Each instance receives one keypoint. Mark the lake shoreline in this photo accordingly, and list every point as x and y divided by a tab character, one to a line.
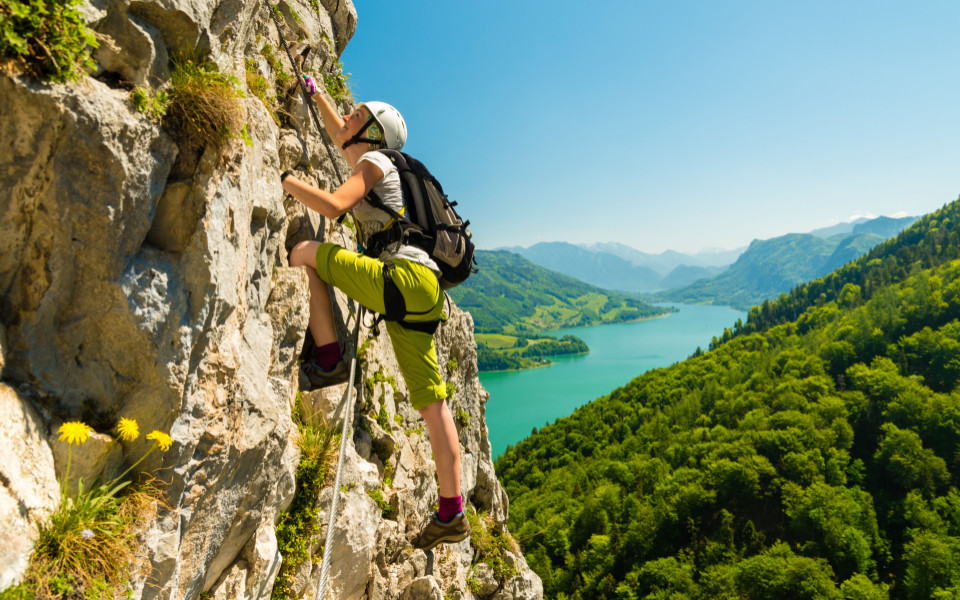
527	398
550	363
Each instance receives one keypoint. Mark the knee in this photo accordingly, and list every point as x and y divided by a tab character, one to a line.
304	254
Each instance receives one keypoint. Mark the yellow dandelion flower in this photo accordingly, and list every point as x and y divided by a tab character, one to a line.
163	440
128	430
74	432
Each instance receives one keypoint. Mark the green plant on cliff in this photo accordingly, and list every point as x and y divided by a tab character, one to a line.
335	80
205	108
298	527
149	102
86	546
491	543
46	38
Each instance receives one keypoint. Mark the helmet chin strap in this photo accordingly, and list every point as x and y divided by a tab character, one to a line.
356	139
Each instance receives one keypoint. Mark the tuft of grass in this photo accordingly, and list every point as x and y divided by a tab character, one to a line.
298	526
451	390
383	419
491	543
152	104
463	417
260	88
204	108
47	39
386	511
452	365
335	80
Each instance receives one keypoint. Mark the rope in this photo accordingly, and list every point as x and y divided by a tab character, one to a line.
303	88
348	412
351	388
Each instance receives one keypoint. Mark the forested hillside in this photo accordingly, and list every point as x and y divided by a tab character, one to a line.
509	294
815	454
932	241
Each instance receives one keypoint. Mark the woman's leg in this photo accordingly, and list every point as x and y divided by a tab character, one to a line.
322	327
446	447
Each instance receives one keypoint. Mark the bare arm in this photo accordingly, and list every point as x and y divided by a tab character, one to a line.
332	121
345	197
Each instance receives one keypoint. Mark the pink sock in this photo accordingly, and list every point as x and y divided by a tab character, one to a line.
449	507
328	355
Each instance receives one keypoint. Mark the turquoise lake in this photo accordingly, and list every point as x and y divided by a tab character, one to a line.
522	400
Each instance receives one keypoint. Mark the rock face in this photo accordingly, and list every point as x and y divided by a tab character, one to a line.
148	281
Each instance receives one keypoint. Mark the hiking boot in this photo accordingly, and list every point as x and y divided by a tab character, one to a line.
319	378
435	532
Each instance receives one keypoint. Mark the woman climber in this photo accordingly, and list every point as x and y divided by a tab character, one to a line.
371	126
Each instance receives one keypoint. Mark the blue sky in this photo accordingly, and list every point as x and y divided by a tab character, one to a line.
670	124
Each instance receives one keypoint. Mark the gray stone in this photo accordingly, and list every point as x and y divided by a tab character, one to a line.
352	552
233	584
485	579
526	585
423	588
344	21
130	47
29	490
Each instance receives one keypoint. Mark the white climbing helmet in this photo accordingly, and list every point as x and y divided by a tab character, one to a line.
391	123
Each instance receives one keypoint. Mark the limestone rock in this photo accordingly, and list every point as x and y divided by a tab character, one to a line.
422	588
129	46
29	490
344	20
525	585
486	581
352	551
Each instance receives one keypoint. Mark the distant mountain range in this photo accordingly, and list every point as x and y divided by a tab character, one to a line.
618	267
771	267
738	277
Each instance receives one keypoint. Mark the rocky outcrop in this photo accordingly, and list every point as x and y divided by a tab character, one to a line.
144	280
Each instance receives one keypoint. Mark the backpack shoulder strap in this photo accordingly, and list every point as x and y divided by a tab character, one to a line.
374	199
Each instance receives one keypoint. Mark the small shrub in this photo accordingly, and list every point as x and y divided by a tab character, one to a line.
383	419
491	543
46	38
150	103
282	79
463	417
260	88
256	83
451	390
452	365
204	108
386	511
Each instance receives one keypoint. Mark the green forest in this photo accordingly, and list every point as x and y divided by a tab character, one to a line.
525	355
812	452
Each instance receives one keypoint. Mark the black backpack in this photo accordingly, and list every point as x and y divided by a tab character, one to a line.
430	222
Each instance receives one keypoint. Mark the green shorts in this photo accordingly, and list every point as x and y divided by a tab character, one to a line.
361	278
